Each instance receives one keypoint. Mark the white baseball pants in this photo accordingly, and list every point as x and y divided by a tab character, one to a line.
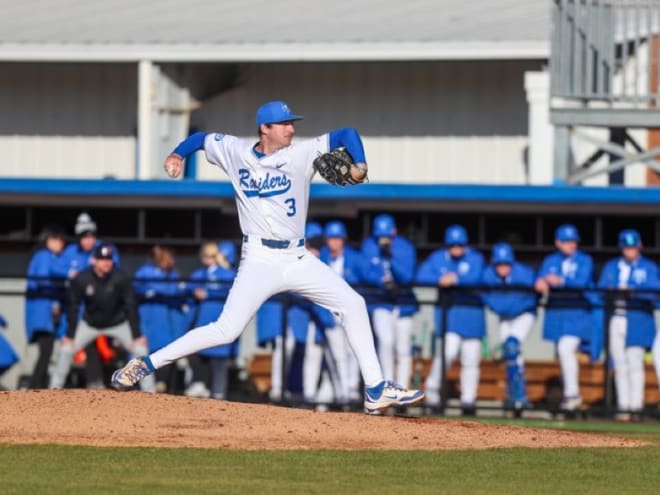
518	327
394	344
470	350
567	348
628	367
264	272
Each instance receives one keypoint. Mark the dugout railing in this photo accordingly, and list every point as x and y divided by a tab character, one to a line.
601	302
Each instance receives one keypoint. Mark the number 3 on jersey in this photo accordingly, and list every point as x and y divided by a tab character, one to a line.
292	207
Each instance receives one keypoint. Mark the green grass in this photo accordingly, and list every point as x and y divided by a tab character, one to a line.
86	470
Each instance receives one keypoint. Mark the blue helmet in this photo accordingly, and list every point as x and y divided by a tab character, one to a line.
228	250
629	238
503	254
567	232
384	226
335	229
313	229
456	235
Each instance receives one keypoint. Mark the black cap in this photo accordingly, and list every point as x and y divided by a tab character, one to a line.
103	252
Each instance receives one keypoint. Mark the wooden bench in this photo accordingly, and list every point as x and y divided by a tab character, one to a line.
543	379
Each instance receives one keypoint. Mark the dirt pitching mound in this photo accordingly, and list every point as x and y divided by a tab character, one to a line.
108	418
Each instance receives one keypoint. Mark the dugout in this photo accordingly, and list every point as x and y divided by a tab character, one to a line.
138	214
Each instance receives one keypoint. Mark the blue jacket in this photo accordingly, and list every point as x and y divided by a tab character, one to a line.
401	266
8	356
161	309
466	315
638	308
510	304
566	314
353	264
216	281
42	294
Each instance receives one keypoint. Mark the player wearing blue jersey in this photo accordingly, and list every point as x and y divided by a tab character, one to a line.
349	264
516	311
390	264
568	319
271	180
631	326
457	265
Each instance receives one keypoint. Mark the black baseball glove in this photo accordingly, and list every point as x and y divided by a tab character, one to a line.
335	167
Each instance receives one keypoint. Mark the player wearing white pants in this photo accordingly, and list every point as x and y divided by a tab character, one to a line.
632	325
391	262
517	313
457	265
567	318
271	180
347	263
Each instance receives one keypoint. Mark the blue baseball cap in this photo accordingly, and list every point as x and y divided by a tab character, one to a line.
313	229
567	232
335	229
384	226
503	254
456	235
629	238
228	250
274	112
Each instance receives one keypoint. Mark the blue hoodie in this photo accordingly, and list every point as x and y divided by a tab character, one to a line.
401	266
637	307
466	316
510	304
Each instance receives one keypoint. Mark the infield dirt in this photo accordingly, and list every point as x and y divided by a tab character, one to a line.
136	419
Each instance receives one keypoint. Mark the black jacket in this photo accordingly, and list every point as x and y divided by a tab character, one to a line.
108	301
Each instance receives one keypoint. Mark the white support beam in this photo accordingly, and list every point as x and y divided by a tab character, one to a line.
144	110
537	87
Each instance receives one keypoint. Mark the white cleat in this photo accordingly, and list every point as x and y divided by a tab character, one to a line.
125	378
387	394
571	404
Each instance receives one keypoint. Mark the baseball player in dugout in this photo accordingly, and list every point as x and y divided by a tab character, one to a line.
567	317
110	309
631	324
271	180
516	312
390	265
462	266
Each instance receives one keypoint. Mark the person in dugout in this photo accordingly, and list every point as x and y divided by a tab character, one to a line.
44	301
76	257
516	311
456	265
8	356
568	321
109	309
162	300
390	263
347	263
631	323
208	288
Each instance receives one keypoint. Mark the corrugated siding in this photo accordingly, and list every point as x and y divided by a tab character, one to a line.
68	120
421	122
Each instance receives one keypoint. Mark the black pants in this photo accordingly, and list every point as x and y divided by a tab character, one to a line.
44	341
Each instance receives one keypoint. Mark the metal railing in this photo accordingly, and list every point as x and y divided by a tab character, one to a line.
606	300
606	50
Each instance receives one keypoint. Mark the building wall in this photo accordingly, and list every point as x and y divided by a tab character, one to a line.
68	120
421	121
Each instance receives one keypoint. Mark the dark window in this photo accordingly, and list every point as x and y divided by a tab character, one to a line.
216	225
169	224
13	223
514	229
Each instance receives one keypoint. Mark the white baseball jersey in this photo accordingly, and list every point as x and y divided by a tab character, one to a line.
272	192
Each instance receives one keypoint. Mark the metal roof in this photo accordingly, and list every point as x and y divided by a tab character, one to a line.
259	30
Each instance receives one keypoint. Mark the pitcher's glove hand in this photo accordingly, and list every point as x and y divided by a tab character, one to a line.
338	168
